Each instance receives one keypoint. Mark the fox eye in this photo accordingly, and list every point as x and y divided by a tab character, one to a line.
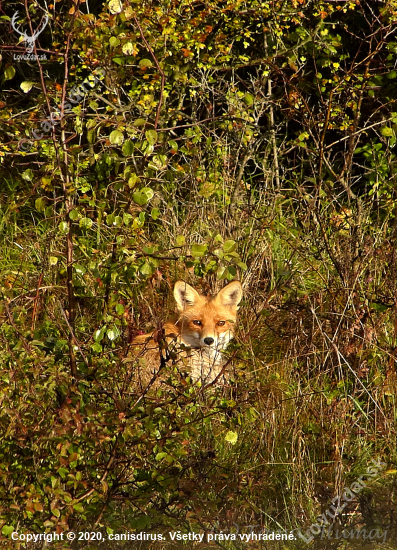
221	323
197	323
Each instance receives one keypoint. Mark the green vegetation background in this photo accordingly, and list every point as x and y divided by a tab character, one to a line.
222	139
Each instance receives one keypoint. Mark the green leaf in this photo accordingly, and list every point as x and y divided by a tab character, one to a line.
198	250
113	333
180	240
174	146
53	260
114	41
231	272
79	269
127	218
119	309
26	86
142	196
151	136
116	137
386	131
145	63
160	456
78	507
128	48
7	530
63	472
63	227
99	334
229	246
40	204
96	347
128	148
91	136
378	307
147	269
211	266
27	175
133	181
74	215
249	99
46	181
155	213
85	223
231	437
115	6
139	122
110	219
139	198
158	162
9	73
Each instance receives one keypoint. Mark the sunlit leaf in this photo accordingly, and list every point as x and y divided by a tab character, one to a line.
85	223
9	73
128	148
198	250
26	86
145	63
231	437
128	48
113	41
151	136
115	6
116	137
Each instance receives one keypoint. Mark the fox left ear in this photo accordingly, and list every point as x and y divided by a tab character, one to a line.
231	295
185	296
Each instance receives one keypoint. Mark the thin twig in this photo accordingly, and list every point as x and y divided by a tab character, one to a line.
72	334
158	68
36	300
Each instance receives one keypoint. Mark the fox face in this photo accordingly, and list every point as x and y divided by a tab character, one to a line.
207	322
204	325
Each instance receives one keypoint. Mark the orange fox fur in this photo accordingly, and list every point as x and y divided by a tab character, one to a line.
202	330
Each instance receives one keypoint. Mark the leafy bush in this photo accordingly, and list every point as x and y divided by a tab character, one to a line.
205	142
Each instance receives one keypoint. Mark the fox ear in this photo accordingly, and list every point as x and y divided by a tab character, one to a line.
185	295
231	295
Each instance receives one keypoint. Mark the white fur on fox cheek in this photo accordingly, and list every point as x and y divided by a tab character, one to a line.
225	337
192	339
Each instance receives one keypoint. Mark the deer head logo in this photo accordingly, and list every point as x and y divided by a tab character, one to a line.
30	40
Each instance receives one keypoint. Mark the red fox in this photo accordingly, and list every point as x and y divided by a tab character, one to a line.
202	330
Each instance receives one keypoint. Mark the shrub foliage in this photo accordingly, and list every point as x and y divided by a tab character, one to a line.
204	141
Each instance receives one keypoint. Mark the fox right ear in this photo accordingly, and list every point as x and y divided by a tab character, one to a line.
230	295
185	295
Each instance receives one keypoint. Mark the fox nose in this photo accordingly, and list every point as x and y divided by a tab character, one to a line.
208	341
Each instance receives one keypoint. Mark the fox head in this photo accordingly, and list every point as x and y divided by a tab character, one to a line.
207	322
